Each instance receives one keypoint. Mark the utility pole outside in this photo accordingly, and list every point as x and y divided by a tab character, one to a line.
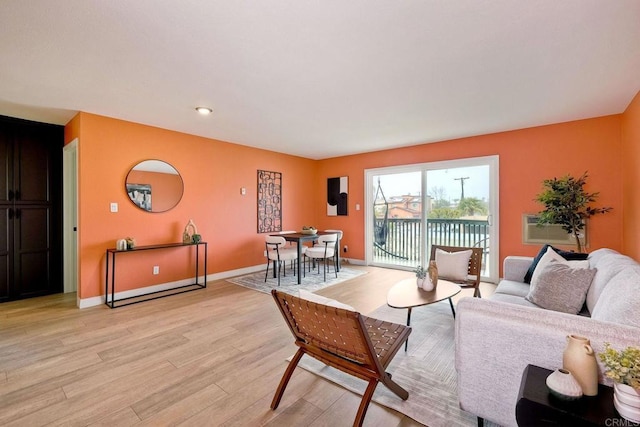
461	179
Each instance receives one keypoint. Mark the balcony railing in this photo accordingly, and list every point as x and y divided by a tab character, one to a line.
402	243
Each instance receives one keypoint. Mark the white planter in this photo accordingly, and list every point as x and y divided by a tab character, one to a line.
626	399
419	282
427	285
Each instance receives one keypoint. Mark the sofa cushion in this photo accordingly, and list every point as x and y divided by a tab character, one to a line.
619	301
561	288
453	265
511	287
552	255
512	299
567	255
608	264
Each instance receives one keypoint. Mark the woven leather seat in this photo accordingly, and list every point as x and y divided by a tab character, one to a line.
346	340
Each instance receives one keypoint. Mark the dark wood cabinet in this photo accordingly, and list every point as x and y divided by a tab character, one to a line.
30	208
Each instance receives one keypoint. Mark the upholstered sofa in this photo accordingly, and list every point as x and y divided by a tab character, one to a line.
497	337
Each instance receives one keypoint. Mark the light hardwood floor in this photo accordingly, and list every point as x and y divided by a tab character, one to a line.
205	358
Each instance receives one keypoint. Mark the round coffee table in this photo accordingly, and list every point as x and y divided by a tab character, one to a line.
406	294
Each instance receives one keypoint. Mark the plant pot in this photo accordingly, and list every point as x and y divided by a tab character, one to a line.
626	399
428	285
419	282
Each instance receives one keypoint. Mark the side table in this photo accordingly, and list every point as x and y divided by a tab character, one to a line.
538	407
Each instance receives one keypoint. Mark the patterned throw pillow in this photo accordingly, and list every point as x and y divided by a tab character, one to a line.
453	265
561	288
569	256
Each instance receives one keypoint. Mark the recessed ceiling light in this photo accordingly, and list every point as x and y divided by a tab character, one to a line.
204	110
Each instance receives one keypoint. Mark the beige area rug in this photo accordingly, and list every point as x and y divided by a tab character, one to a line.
426	370
289	284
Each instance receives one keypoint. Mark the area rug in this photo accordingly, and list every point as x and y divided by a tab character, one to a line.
426	370
289	284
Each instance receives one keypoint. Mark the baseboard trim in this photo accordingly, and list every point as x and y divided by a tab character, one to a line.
95	301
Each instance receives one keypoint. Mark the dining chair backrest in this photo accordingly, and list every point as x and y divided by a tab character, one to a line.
327	239
274	241
338	232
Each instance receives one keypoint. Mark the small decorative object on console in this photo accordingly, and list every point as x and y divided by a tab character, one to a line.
579	359
121	244
131	242
563	385
196	238
189	230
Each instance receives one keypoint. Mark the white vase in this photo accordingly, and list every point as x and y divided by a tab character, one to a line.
419	282
626	399
563	385
580	359
427	284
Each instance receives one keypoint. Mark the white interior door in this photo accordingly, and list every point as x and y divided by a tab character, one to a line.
70	220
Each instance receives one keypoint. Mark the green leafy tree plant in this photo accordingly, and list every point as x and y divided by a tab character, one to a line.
567	204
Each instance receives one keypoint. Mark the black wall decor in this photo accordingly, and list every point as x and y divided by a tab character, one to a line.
269	201
337	195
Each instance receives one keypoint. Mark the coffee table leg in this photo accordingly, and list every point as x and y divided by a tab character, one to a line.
406	343
452	310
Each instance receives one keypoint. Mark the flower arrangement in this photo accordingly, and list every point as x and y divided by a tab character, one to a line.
421	273
622	366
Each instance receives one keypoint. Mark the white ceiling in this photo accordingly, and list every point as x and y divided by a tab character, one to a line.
320	79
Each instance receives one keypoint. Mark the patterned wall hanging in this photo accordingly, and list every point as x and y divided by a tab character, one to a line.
337	195
269	201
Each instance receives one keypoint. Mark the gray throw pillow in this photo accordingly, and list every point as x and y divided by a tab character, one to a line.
561	288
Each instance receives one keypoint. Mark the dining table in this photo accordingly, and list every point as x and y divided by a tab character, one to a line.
300	238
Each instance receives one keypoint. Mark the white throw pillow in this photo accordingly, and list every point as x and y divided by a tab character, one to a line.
310	296
453	265
551	256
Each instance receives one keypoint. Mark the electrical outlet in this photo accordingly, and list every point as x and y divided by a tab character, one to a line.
345	249
113	207
156	269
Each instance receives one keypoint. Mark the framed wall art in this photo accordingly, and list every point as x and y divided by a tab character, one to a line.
337	196
269	201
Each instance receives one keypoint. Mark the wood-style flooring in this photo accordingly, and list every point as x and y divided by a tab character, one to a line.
205	358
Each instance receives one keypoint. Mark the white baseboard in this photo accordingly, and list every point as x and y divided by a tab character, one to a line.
94	301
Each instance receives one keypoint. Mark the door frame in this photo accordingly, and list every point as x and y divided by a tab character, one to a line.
494	209
70	215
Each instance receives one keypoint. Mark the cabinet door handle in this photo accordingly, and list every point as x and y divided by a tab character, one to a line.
10	213
10	195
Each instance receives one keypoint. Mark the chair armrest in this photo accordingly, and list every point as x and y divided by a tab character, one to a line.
495	341
515	267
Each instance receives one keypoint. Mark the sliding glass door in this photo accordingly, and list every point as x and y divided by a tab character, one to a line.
412	207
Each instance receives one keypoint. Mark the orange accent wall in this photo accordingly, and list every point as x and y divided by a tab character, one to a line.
631	177
214	171
527	157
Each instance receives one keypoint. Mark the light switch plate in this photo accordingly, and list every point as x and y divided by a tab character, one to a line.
114	207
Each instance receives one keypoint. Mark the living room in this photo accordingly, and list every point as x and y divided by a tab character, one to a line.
215	169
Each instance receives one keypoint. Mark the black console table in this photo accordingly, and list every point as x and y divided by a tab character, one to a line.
538	407
110	280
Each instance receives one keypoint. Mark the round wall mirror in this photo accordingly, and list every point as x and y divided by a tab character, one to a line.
154	186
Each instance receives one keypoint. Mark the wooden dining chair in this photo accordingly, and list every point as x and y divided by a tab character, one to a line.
346	340
475	266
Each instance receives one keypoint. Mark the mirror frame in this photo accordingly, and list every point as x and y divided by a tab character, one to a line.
146	188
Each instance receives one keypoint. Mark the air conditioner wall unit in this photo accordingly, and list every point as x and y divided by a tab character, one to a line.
533	234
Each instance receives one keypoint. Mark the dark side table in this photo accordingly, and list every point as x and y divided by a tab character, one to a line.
538	407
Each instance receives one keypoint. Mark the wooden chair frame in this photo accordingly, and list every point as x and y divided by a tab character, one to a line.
475	266
346	340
